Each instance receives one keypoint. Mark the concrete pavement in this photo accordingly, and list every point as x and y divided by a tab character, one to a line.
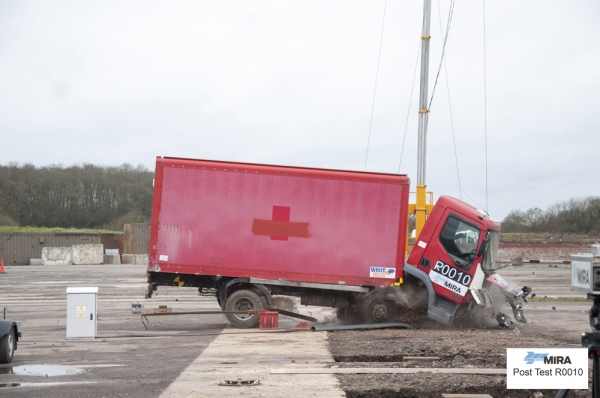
249	355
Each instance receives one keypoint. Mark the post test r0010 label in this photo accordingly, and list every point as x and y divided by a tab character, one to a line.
547	368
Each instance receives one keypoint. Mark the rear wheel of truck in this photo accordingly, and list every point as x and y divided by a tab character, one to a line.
243	300
7	347
375	309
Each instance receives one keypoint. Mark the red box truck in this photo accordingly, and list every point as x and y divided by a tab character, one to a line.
245	232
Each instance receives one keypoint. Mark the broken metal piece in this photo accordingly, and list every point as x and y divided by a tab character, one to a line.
518	313
239	383
482	297
504	321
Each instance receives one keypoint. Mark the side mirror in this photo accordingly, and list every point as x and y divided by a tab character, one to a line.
483	246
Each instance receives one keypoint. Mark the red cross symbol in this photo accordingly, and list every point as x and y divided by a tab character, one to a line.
279	226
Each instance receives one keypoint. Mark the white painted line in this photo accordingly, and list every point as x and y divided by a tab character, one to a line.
389	370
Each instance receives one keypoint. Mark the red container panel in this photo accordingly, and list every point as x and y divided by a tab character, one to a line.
297	224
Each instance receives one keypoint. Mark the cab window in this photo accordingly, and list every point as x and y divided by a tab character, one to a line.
460	241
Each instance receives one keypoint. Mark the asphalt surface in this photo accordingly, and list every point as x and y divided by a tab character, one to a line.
124	359
127	360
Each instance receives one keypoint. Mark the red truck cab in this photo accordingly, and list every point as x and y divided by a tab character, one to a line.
455	248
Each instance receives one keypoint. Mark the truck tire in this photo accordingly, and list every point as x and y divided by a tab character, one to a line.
375	309
7	347
243	300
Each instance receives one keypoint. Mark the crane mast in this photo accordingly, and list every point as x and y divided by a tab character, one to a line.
422	209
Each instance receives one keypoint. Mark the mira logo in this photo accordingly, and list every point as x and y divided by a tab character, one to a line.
583	276
557	360
532	357
451	286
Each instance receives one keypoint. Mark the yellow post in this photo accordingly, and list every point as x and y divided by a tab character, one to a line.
421	208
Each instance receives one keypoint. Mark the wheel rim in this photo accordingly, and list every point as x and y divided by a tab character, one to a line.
379	312
243	304
10	345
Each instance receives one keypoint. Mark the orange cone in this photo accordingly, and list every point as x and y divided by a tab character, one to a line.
2	266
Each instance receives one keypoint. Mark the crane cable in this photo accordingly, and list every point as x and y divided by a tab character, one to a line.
450	108
412	88
375	90
450	13
485	111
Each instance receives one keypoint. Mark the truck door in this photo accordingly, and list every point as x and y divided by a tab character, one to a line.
450	255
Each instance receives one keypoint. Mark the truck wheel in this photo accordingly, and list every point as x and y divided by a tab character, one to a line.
374	309
7	347
243	300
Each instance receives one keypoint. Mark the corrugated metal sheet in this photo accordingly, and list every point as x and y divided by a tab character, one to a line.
141	238
112	242
18	248
136	238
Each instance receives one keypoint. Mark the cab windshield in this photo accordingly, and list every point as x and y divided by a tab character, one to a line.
460	241
491	253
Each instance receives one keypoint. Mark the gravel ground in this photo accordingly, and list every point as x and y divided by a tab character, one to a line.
476	343
455	348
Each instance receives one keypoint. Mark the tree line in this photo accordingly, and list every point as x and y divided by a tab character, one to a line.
580	215
82	196
89	196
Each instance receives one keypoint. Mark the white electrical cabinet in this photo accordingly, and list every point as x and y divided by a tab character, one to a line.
82	314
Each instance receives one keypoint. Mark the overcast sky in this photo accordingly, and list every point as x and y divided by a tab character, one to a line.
292	82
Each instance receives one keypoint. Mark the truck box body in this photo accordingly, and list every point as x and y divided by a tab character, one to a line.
273	222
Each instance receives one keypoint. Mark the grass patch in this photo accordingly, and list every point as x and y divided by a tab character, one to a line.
557	299
9	229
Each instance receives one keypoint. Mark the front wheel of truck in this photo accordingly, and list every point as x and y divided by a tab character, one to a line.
376	309
243	300
7	347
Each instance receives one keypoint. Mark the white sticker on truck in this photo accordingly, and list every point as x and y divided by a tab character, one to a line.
162	257
382	272
448	283
451	278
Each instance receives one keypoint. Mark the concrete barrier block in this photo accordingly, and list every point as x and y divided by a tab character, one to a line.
56	256
88	254
128	259
141	259
36	261
112	259
516	261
